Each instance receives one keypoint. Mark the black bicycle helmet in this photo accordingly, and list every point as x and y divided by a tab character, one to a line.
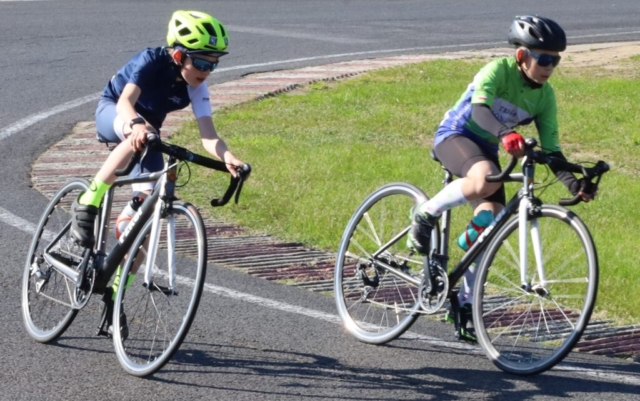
535	32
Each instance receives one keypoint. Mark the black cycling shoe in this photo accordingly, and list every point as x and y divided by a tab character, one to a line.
83	218
106	320
462	319
420	232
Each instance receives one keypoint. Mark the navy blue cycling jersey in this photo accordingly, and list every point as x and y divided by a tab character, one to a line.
154	72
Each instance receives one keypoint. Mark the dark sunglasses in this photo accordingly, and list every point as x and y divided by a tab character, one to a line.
545	60
203	64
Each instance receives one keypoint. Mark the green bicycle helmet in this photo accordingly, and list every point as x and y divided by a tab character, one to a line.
198	32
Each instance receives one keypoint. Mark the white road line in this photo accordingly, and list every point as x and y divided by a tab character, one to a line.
33	119
27	227
27	122
17	222
298	35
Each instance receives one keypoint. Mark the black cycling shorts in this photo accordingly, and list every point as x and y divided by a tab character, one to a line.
458	154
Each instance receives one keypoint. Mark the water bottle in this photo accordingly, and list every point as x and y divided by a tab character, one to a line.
127	214
474	228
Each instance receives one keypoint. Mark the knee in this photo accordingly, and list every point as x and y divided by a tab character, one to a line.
486	189
483	189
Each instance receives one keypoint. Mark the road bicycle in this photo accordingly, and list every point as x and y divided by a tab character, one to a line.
535	286
165	244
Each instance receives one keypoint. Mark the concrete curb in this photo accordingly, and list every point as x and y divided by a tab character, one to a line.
265	256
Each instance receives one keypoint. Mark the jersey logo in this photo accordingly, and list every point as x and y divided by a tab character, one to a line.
175	99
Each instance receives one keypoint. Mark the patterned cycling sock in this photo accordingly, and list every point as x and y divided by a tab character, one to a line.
93	196
448	198
116	282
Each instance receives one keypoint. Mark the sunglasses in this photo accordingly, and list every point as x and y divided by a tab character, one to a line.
203	64
545	60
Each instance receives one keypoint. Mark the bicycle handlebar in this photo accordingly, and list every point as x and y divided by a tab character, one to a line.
180	153
540	157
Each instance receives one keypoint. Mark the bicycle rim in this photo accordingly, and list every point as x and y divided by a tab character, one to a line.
528	332
46	293
376	304
151	323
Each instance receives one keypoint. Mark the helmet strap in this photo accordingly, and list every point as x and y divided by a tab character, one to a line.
520	55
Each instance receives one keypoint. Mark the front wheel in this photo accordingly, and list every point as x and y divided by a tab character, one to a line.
377	277
47	295
151	319
527	329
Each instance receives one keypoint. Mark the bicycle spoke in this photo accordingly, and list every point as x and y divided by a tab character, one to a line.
526	331
377	297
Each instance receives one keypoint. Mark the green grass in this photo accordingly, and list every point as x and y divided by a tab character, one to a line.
317	152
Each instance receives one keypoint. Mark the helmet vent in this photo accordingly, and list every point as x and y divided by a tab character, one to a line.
535	34
210	30
184	31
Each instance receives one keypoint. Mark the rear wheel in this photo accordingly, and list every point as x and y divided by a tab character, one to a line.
529	330
151	321
47	295
377	277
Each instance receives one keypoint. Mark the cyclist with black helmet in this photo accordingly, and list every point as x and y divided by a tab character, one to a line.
506	93
138	98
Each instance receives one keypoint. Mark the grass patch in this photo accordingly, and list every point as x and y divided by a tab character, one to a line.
319	151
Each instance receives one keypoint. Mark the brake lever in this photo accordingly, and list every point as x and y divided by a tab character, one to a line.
598	171
243	174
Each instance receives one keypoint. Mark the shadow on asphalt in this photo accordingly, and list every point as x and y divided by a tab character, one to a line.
312	375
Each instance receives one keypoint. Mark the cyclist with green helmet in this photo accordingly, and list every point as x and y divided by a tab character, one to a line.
138	98
506	93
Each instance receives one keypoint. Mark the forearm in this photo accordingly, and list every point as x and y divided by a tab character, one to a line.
568	179
485	119
126	110
126	105
216	147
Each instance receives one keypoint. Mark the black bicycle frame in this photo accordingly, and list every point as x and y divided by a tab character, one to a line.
487	235
108	266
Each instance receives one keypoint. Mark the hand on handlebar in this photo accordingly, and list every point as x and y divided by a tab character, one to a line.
138	136
514	144
587	190
233	164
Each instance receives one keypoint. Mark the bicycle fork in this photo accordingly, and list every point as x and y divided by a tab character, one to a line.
524	213
152	253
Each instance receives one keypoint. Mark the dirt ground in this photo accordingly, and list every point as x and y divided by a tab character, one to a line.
606	55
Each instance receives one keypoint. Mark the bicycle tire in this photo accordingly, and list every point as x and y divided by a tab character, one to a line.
528	332
166	324
44	289
378	314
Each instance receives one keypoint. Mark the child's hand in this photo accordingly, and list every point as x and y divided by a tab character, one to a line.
514	144
138	136
232	163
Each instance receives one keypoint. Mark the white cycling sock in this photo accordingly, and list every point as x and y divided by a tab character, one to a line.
465	296
448	198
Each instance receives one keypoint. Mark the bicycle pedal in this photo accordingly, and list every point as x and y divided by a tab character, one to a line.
463	335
